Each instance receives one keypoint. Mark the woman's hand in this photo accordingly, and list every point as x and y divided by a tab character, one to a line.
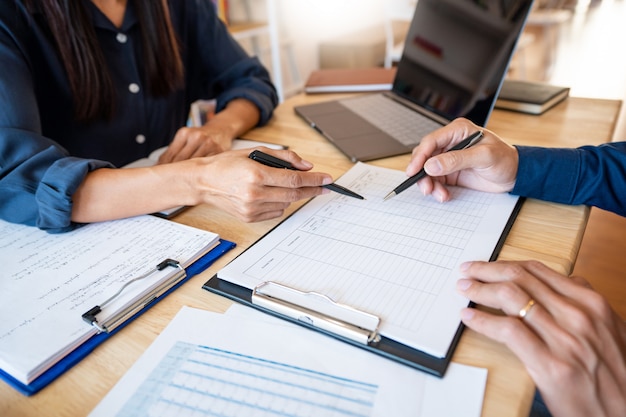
252	191
195	142
570	340
215	136
230	181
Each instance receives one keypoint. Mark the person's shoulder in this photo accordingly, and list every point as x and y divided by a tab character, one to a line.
193	7
186	13
16	18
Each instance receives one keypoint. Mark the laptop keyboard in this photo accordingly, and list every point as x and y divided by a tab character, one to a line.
405	125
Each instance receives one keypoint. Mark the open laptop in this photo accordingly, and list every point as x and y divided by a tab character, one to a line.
455	58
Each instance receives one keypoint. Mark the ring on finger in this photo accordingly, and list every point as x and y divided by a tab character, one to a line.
526	309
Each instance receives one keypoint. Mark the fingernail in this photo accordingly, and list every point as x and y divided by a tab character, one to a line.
307	164
327	180
467	314
439	196
464	266
433	167
463	284
422	187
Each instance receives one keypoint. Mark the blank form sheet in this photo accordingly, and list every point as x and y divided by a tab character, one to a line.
397	259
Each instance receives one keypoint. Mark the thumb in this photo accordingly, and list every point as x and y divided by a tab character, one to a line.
445	163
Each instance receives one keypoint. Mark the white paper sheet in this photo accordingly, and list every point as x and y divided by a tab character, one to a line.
397	259
50	280
246	363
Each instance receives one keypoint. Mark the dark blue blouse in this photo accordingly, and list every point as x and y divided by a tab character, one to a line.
45	154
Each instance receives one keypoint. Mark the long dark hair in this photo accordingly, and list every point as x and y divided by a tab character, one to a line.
90	81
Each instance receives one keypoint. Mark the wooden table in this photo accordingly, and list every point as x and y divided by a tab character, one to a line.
549	232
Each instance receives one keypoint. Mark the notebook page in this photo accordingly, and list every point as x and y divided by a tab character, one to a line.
50	280
398	259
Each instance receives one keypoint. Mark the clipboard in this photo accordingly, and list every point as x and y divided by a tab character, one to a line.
280	299
88	346
324	322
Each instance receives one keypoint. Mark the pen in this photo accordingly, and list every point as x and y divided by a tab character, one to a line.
464	144
274	162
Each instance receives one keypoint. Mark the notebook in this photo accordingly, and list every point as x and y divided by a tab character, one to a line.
454	61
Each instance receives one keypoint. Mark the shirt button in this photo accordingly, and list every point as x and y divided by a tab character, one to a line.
133	88
121	38
140	139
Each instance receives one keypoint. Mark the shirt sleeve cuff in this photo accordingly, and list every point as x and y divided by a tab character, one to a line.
54	194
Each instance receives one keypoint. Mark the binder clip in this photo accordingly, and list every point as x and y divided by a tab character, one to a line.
116	319
318	310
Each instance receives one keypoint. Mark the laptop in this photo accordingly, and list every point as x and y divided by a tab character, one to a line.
455	58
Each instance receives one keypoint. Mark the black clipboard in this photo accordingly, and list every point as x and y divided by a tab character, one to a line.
375	343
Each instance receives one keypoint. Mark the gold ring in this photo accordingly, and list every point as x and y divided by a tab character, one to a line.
524	311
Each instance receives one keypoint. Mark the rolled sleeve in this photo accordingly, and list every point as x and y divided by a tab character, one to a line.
37	183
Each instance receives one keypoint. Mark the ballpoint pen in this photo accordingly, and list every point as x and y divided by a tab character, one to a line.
464	144
274	162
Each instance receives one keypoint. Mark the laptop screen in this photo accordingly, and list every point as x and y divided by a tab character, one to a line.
456	55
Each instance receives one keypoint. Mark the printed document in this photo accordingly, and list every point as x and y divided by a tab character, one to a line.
396	259
238	364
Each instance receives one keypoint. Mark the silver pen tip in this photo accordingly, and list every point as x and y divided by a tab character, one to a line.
388	196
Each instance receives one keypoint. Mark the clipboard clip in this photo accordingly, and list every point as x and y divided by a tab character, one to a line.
318	310
117	319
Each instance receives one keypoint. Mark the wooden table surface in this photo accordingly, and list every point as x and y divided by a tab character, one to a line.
548	232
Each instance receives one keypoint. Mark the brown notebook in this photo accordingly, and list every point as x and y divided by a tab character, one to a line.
343	80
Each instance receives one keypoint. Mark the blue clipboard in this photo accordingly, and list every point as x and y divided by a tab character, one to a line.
83	350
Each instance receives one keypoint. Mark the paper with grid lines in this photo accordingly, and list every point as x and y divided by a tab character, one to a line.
238	364
398	259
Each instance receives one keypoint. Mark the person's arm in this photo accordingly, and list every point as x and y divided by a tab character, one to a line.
590	175
221	69
230	181
37	176
570	340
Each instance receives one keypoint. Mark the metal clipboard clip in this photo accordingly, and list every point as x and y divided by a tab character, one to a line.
110	323
319	311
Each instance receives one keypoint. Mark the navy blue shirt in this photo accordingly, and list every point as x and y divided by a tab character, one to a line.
590	175
45	153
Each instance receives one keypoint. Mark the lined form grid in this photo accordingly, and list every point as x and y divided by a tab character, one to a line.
194	380
402	250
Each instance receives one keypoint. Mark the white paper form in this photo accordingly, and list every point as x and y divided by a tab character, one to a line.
49	280
238	364
397	259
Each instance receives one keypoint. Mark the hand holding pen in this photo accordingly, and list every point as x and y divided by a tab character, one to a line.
465	143
275	162
489	166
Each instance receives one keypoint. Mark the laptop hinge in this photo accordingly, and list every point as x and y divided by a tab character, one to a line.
431	115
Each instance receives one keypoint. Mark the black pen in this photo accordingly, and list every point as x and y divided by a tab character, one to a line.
274	162
464	144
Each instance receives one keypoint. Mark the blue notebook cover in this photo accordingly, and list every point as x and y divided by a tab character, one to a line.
75	356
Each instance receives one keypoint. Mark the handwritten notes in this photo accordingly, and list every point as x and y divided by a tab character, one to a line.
50	280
